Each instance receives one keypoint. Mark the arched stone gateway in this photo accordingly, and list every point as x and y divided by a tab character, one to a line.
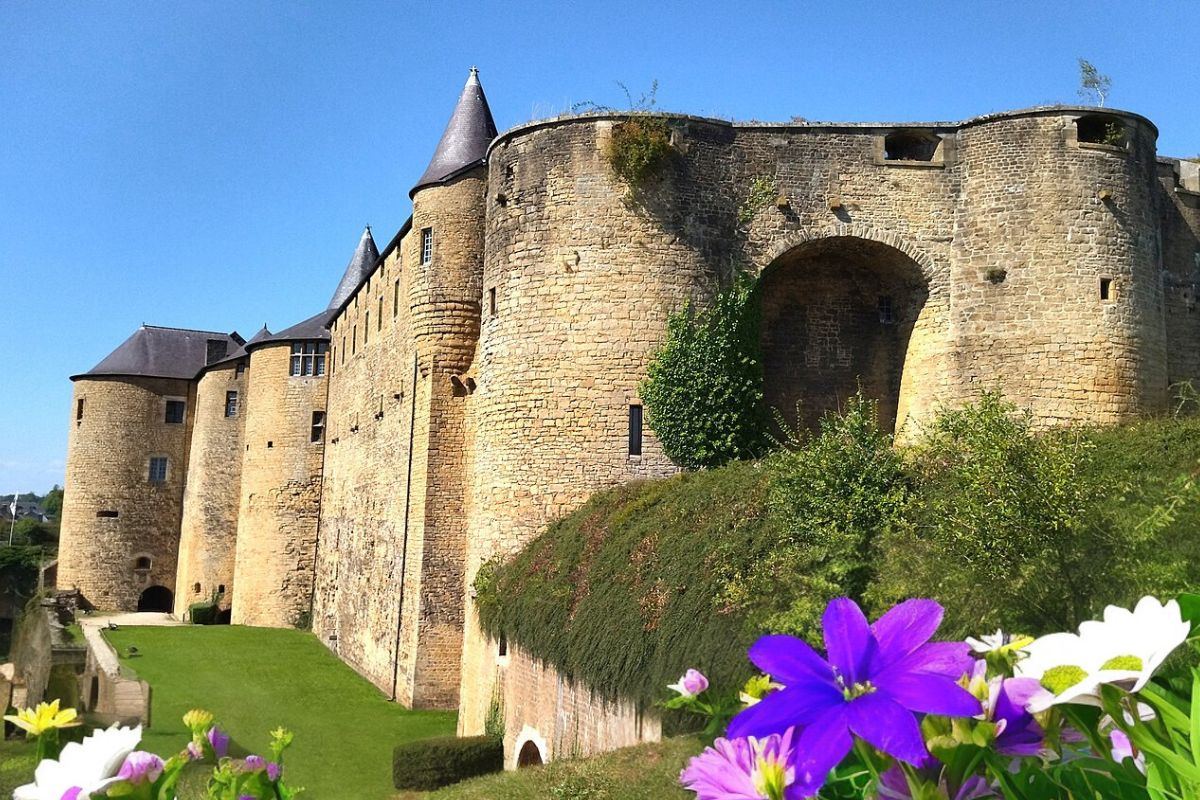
156	598
839	313
529	756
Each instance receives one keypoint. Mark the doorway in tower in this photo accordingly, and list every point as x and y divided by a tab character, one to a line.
838	314
156	598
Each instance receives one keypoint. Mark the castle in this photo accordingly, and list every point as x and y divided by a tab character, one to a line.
478	377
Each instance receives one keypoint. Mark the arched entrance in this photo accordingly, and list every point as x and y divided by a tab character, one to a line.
529	756
838	314
156	598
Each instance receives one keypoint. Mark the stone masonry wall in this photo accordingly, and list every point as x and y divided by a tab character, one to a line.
1179	208
208	534
281	493
108	461
365	509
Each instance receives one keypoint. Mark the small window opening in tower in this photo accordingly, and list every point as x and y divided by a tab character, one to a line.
240	369
353	340
220	588
910	146
635	430
1101	129
886	315
176	409
318	426
270	445
158	469
1106	290
195	588
492	301
107	514
426	245
343	349
396	298
502	650
142	563
366	325
79	410
231	404
379	316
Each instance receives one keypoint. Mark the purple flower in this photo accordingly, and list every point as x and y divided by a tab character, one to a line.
254	763
1122	749
219	741
691	684
194	752
742	769
877	677
141	767
894	786
1017	732
72	793
273	770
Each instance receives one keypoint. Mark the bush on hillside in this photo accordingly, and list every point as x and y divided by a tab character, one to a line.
429	764
704	387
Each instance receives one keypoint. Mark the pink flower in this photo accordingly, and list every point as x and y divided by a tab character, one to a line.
141	767
273	771
691	684
219	741
1122	749
743	769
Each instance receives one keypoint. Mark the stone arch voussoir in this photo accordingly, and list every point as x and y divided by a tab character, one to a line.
850	230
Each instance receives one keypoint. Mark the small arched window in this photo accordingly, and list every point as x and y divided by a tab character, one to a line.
142	562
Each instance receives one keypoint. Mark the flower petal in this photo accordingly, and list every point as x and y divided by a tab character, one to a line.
848	639
788	659
928	693
948	659
820	748
887	726
905	627
798	704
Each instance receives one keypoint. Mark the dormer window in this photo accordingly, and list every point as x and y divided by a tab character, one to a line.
426	245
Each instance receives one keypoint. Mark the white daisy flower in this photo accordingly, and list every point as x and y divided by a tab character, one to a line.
83	767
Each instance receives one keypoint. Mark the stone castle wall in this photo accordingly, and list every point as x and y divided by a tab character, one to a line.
281	492
113	514
208	534
1179	208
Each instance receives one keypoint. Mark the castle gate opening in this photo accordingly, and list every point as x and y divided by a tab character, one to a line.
838	314
156	598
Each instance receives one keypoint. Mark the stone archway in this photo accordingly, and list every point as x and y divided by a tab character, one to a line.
529	756
156	598
839	313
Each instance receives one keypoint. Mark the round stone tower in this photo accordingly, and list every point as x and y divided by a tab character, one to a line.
1056	296
283	447
127	462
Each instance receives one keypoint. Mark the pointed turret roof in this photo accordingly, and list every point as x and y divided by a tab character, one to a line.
466	138
364	258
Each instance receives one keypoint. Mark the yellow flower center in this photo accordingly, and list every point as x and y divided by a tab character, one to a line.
1059	679
1123	662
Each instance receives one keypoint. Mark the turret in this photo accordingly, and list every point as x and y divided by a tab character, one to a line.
446	243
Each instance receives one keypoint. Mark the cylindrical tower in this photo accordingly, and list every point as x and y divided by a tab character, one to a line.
208	534
282	447
130	431
1056	298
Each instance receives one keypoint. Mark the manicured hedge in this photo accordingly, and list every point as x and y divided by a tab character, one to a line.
429	764
203	613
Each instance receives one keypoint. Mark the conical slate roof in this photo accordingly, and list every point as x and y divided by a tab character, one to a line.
466	138
155	352
364	258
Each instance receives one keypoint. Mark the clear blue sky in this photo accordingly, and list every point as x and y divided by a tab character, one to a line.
212	164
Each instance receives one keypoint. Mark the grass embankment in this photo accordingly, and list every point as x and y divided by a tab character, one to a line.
16	765
255	679
646	772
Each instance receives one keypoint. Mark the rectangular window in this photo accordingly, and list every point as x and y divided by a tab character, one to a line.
158	469
492	301
308	359
175	411
318	426
79	409
343	349
426	245
396	298
240	369
1106	292
635	430
108	514
231	404
353	340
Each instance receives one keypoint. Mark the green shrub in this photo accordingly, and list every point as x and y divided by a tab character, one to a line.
638	149
203	613
834	494
429	764
703	391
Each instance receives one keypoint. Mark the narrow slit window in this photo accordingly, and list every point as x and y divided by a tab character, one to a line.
492	301
79	410
635	430
231	404
343	349
354	340
502	650
366	325
426	245
318	426
379	316
396	298
107	514
1106	290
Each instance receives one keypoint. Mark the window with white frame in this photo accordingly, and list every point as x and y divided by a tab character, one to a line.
426	245
158	469
308	359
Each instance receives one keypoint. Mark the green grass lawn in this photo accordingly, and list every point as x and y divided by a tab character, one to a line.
16	765
255	679
645	772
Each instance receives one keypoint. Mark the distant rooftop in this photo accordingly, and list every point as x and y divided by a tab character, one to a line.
155	352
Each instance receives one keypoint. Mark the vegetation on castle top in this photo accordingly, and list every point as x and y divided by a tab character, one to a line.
345	728
704	387
639	146
1002	525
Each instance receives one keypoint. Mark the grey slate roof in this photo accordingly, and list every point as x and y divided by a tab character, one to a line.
155	352
263	333
315	327
361	263
466	138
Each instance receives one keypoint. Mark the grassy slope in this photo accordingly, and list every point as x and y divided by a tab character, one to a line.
254	679
646	772
16	765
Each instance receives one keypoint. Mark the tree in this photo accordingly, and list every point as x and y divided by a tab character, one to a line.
1093	85
52	502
